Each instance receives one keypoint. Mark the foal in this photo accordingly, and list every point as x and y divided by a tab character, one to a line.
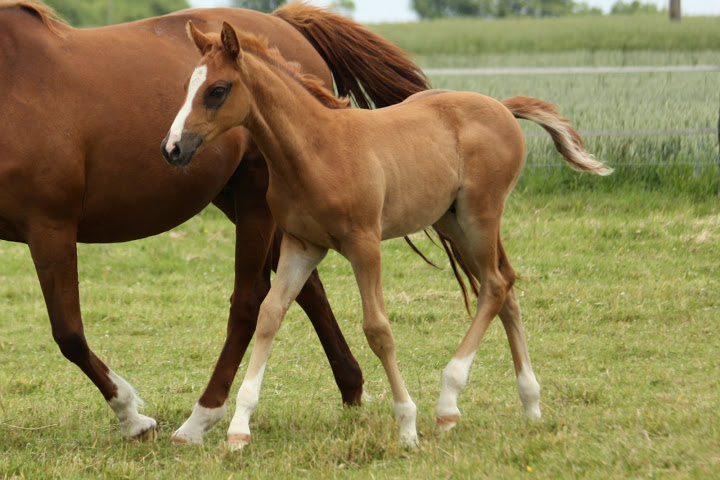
347	179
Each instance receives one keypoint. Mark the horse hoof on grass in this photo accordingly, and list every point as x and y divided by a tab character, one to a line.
354	398
149	435
447	422
177	440
237	441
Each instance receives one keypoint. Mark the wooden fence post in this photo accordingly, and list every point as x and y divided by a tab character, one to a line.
719	149
675	10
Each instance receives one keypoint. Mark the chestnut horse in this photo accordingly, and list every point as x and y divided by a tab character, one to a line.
346	179
84	111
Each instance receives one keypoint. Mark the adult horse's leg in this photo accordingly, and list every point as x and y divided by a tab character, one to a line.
54	252
244	203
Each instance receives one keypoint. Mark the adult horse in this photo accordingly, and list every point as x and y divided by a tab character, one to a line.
83	113
345	179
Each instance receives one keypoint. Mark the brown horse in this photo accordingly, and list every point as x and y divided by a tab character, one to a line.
346	179
83	112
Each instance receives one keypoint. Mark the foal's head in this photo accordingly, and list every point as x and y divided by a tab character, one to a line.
217	99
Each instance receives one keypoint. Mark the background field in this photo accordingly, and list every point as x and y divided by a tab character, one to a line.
619	291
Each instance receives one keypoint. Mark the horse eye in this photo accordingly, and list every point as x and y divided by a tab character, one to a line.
217	92
215	96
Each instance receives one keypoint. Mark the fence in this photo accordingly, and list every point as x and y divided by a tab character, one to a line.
601	70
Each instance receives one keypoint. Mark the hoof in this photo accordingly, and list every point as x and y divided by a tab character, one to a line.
179	439
533	415
409	442
353	398
238	441
149	435
447	422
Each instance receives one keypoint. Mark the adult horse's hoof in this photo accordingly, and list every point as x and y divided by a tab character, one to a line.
149	435
353	398
237	441
447	422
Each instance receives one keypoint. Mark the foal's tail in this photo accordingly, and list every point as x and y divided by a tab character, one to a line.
567	140
364	65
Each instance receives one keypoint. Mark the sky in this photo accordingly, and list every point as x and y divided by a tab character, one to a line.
376	11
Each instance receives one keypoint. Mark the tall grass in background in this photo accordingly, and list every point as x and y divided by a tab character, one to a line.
473	37
614	110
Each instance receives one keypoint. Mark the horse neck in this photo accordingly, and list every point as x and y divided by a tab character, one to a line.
27	46
285	118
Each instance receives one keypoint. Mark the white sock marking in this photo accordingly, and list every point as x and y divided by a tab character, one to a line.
125	407
201	420
454	378
406	415
247	400
196	80
529	391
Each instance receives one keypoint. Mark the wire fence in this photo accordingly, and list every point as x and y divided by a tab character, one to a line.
676	132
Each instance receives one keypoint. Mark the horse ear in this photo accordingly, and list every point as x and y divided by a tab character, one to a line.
201	41
230	40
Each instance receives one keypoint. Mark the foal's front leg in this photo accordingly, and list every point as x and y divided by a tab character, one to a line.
297	261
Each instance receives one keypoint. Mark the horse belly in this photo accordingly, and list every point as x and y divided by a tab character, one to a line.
418	198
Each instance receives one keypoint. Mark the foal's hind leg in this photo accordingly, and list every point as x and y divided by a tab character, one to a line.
478	241
527	385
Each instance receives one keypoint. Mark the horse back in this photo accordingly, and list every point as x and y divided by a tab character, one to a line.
90	108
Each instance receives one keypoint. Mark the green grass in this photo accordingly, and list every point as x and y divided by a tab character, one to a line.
619	294
474	36
615	102
619	300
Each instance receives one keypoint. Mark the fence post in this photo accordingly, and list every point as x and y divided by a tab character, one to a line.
675	10
718	149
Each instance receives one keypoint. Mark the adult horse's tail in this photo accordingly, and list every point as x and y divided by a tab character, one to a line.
364	65
567	140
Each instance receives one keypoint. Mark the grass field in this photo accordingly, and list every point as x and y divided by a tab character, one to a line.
595	33
630	104
619	288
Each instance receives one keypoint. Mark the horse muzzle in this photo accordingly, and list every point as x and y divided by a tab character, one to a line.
179	153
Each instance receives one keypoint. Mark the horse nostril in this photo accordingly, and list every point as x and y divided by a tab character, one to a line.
176	152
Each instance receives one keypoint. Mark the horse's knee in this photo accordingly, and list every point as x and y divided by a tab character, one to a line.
72	345
269	320
379	335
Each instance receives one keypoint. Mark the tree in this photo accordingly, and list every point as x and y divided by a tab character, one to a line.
343	7
631	8
94	13
492	8
266	6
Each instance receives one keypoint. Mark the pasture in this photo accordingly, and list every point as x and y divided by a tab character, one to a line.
619	289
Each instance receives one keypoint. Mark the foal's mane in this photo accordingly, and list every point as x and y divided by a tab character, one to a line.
45	13
259	47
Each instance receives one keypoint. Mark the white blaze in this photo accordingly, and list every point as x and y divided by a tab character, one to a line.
196	80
